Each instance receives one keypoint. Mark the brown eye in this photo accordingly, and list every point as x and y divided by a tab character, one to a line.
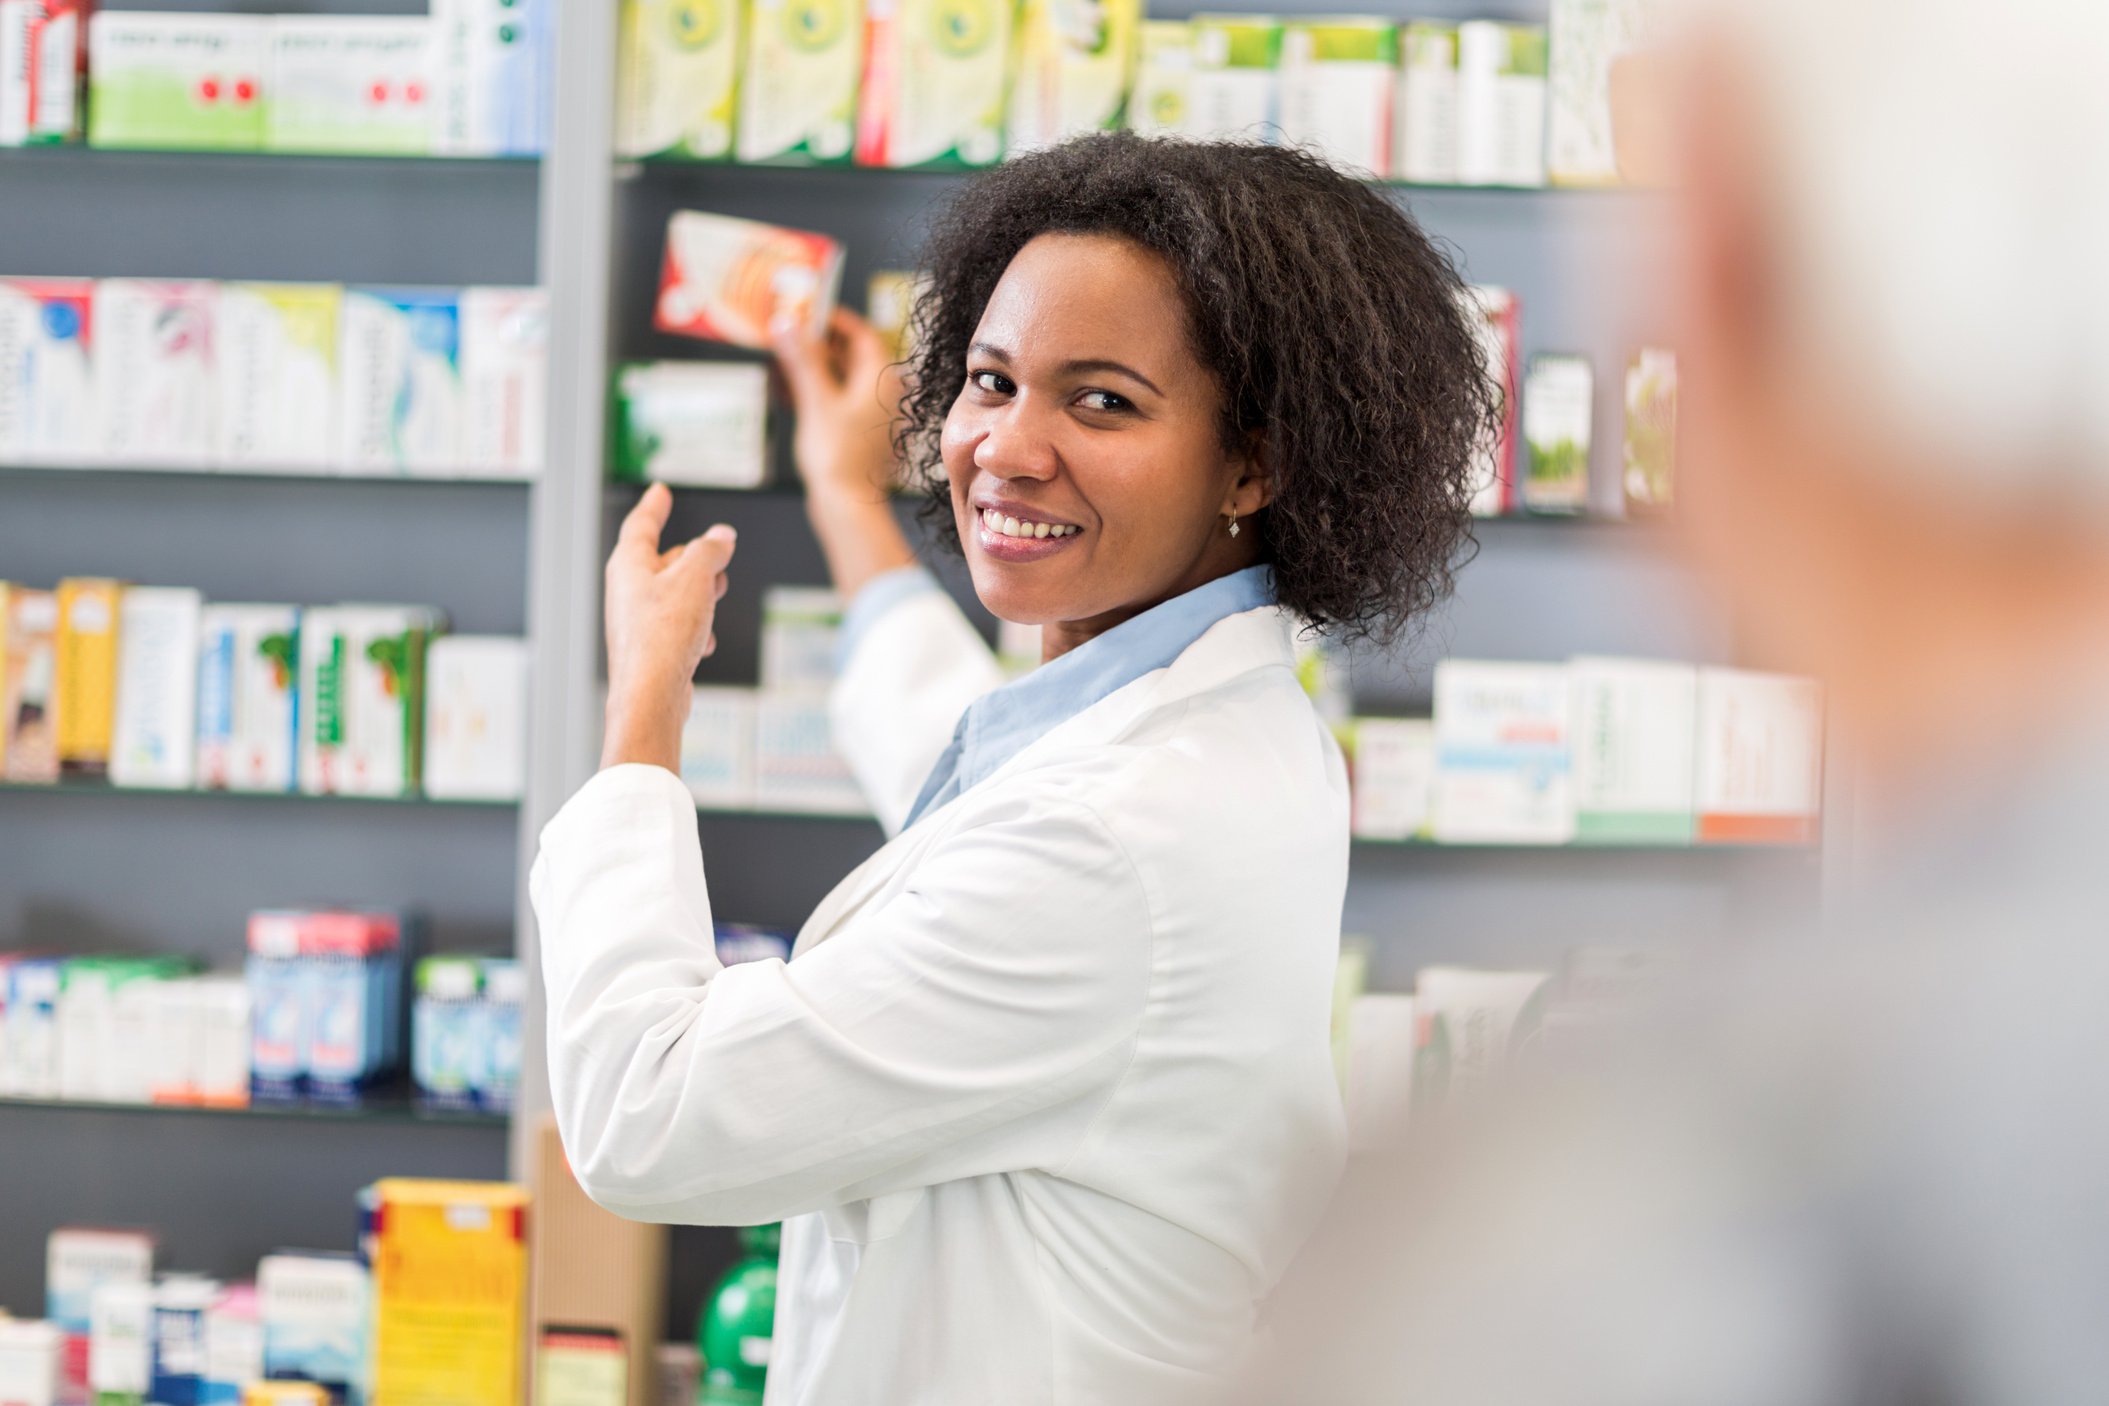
993	382
1105	400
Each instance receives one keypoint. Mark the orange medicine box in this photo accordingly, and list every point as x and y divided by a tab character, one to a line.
449	1262
742	281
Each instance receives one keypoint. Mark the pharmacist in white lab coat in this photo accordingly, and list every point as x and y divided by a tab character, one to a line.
1044	1093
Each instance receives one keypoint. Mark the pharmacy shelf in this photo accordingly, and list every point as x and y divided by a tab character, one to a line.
779	813
335	160
392	1107
217	471
100	788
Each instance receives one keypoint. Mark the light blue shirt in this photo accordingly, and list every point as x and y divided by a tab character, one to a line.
999	725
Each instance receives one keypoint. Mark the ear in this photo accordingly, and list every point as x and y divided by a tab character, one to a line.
1251	482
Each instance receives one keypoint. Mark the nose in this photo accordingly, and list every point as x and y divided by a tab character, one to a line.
1014	445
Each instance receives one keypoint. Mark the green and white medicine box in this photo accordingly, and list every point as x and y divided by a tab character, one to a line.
176	81
799	80
1235	89
358	83
702	423
1338	79
1558	395
1164	74
677	83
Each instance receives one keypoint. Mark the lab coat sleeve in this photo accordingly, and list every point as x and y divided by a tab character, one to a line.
910	673
917	1044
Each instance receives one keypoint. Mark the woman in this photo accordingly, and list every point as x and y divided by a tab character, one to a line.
1044	1094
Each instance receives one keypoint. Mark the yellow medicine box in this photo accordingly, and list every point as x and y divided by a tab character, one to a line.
450	1291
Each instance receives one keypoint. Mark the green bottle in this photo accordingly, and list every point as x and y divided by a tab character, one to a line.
737	1324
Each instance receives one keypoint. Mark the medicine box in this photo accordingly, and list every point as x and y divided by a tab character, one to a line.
79	1263
121	1343
1426	145
31	1361
446	1047
1162	100
475	717
1650	477
1500	103
889	306
1634	724
1076	63
677	78
1233	91
314	1312
450	1291
277	359
798	81
1558	400
362	686
43	68
801	632
183	81
504	380
691	422
796	766
154	743
234	1346
248	663
1475	1024
400	393
744	282
86	688
157	378
351	83
29	742
491	70
34	985
717	747
180	1305
1495	316
1503	772
1587	38
1339	78
1394	777
935	83
47	377
1760	762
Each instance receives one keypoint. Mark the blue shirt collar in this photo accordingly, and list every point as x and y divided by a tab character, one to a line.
999	725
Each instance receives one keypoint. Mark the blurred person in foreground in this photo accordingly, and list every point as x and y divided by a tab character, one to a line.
1864	1163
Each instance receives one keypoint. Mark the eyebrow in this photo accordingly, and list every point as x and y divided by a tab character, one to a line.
990	349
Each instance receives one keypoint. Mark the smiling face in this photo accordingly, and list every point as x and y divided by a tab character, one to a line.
1087	468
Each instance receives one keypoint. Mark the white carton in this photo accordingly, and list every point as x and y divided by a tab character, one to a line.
796	766
491	72
1234	92
1500	104
1339	78
504	380
677	76
1634	725
362	673
1760	744
156	729
1076	63
1425	149
248	662
314	1308
47	383
81	1261
692	422
936	78
1478	1019
30	1357
1164	73
717	748
1587	37
121	1341
350	83
1394	777
158	384
799	79
476	717
801	630
1503	773
278	374
400	401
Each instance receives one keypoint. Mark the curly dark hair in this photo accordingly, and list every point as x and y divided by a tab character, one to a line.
1334	326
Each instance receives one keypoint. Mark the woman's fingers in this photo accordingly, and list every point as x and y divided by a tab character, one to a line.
642	525
804	360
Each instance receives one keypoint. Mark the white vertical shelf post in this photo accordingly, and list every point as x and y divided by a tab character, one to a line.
563	575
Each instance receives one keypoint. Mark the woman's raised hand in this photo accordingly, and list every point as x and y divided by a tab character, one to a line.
660	607
845	390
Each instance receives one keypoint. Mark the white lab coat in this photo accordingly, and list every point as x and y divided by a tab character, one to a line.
1044	1095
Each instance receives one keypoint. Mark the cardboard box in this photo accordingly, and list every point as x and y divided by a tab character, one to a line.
278	375
1426	144
362	677
1587	38
450	1291
935	83
796	766
742	281
47	377
593	1268
1339	78
491	71
351	83
1076	64
691	422
798	81
1651	431
1164	76
43	70
1760	766
1496	317
1503	768
1477	1021
400	398
314	1309
88	623
1559	398
677	79
801	634
248	666
717	748
181	1302
79	1263
1394	777
154	742
121	1343
1500	104
31	1356
476	718
178	81
1634	725
504	379
1234	91
29	707
156	374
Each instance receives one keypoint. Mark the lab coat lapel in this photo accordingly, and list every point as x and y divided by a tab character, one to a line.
1232	646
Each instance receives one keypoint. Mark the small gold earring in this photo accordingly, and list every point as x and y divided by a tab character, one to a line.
1233	522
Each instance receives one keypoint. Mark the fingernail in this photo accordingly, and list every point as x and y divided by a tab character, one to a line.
724	531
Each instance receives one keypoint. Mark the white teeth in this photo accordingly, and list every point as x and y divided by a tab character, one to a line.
1010	527
1039	529
1006	526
